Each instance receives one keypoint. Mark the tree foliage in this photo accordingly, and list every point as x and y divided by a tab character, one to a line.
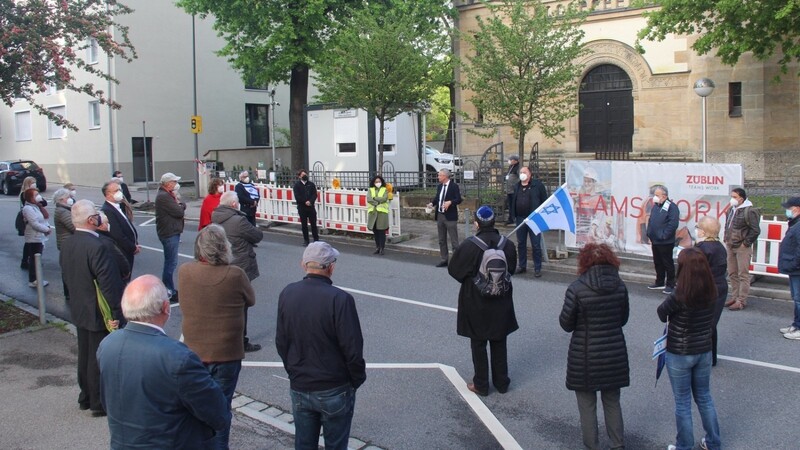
43	43
387	58
730	27
276	41
521	66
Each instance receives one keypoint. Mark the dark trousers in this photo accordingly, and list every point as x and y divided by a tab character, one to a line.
32	248
499	361
524	233
445	228
587	407
308	214
246	339
722	295
380	238
509	200
665	267
23	264
88	370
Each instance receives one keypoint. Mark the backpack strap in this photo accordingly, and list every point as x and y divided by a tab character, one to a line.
479	242
501	244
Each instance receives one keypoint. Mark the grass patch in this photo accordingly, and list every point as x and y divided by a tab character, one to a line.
13	318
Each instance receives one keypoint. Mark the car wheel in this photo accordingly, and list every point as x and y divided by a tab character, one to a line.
6	190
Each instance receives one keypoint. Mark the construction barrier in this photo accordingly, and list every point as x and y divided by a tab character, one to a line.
337	209
765	250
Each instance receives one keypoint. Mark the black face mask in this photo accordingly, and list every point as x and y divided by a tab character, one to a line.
304	178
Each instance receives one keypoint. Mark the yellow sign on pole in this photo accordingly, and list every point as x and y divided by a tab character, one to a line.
197	124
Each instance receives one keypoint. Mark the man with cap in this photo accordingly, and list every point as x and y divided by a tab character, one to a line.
170	211
318	337
512	178
789	263
480	318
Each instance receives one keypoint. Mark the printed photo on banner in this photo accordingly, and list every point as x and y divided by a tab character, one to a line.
613	199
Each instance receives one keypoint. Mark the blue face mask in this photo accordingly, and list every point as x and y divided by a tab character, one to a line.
789	214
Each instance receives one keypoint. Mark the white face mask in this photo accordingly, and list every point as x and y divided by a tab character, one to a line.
656	199
70	201
246	180
176	187
39	199
118	197
121	180
220	189
734	203
523	177
377	184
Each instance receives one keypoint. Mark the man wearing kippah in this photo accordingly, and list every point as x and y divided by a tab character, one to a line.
318	337
480	318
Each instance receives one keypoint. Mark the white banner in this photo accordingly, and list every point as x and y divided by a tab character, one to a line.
613	199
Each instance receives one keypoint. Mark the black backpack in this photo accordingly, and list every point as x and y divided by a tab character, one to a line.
493	279
20	223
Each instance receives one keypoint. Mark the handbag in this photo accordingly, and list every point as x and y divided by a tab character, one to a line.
19	223
105	310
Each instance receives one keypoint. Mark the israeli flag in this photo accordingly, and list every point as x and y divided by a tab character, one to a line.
556	213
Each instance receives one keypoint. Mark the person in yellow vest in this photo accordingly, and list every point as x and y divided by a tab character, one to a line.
378	212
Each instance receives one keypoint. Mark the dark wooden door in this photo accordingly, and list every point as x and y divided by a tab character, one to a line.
139	171
606	119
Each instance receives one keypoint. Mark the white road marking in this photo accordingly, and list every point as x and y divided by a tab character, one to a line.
398	299
489	420
147	223
760	363
161	250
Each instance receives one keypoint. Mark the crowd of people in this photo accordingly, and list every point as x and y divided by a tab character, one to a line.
158	392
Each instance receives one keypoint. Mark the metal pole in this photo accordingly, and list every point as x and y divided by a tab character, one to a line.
194	96
705	131
424	153
146	163
37	261
272	136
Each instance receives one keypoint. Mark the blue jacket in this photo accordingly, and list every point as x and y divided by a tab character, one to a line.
663	224
156	392
789	250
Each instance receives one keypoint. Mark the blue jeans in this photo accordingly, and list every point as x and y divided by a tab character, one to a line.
522	246
794	288
226	375
332	410
170	245
690	375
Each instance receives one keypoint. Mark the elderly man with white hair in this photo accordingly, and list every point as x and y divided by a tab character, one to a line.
63	222
156	391
87	264
248	196
243	237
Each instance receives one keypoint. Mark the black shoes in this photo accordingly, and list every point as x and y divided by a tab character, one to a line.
521	270
305	244
173	299
442	264
377	250
98	413
382	251
537	273
249	348
472	388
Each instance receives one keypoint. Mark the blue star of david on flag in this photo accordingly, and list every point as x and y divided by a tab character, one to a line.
556	213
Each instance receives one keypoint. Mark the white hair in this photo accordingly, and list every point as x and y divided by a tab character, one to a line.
228	197
143	298
61	194
212	246
81	211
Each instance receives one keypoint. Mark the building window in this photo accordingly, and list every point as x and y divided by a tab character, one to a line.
735	99
22	125
252	85
347	147
256	124
56	131
92	51
388	148
94	115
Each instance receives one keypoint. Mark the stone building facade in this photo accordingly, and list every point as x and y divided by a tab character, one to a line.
751	119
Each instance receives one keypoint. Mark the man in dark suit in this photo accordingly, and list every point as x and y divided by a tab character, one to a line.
305	194
120	229
84	259
156	391
447	197
117	176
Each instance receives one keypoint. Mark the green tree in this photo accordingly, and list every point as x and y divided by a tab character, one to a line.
521	66
276	41
42	43
729	27
438	119
386	59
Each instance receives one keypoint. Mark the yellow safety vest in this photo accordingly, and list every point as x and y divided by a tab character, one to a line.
382	207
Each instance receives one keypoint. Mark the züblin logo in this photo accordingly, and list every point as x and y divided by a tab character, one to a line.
705	179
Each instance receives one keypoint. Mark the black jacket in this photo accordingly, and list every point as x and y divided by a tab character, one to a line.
453	194
318	336
480	317
537	195
689	330
247	203
595	310
662	224
303	193
789	250
122	231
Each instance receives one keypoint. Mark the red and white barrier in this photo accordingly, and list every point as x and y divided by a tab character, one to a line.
338	209
765	251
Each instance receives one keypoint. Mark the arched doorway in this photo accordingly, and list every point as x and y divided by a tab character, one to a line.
606	119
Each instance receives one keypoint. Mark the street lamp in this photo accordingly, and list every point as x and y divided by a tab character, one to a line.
704	87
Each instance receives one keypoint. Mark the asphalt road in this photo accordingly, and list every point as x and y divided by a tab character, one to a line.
415	396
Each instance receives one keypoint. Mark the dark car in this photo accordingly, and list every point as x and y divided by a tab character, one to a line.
12	173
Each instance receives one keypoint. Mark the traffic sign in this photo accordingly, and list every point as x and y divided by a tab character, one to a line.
197	124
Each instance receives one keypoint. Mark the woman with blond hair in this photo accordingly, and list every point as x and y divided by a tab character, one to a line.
36	231
707	231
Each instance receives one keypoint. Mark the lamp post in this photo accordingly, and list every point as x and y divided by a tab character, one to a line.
704	87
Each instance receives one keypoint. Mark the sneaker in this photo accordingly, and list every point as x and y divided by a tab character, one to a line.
672	447
703	444
34	284
248	348
668	290
537	273
789	329
794	335
656	286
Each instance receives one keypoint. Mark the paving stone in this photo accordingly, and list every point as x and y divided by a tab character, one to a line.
286	417
272	411
355	443
240	401
372	447
258	406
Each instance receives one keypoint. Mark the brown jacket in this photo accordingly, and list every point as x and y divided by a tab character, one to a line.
213	299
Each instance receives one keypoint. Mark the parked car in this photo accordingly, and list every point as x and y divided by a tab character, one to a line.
436	161
12	173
